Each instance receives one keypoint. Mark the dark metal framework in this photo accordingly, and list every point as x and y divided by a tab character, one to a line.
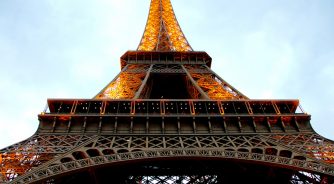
77	138
79	134
168	118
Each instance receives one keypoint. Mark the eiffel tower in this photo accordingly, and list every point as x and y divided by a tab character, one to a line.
168	118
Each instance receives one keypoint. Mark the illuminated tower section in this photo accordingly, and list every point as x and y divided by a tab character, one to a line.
168	118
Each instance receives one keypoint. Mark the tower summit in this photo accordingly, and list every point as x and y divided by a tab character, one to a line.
168	118
162	31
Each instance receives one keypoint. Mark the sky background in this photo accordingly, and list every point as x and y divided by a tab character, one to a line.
278	49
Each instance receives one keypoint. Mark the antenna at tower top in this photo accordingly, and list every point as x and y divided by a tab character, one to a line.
162	31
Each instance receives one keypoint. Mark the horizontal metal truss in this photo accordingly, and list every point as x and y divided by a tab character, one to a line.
171	68
173	125
112	149
143	57
173	117
173	107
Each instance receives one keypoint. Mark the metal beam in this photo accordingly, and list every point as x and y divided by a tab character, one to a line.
144	82
230	86
200	90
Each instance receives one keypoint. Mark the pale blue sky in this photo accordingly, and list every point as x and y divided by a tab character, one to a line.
280	49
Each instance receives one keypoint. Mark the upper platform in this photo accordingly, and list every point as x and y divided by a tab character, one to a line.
165	57
173	116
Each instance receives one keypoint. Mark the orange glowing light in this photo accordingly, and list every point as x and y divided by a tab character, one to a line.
162	28
126	84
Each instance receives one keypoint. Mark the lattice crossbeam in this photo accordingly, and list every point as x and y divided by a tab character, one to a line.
312	144
58	168
184	179
15	162
21	157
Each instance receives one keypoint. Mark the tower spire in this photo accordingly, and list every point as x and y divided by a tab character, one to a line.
162	31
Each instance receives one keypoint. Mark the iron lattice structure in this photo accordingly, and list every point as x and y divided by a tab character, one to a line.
168	118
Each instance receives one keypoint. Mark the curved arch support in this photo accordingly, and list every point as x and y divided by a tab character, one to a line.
76	165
